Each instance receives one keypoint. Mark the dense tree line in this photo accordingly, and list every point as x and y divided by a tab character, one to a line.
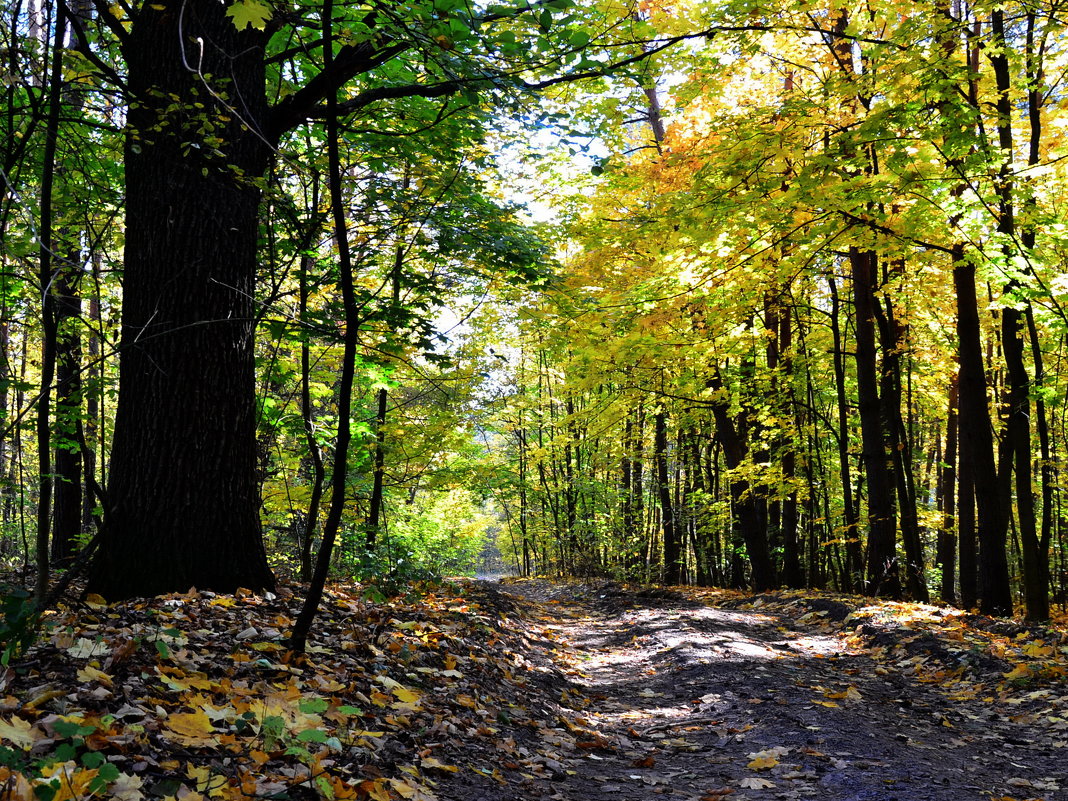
813	326
800	324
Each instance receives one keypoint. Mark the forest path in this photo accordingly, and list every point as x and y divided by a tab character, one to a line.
672	698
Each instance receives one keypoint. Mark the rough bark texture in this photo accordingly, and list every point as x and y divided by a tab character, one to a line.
183	508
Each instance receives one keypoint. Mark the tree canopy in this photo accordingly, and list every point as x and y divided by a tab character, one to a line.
676	292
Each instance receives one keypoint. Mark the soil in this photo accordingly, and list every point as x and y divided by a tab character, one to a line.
662	694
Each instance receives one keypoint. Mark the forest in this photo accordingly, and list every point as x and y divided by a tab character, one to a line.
688	292
307	306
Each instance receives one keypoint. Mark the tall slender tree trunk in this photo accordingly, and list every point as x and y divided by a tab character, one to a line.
853	579
946	553
46	276
893	341
883	578
314	457
672	539
978	468
750	526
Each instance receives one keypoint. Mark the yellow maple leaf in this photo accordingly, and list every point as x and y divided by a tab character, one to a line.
19	733
1021	671
406	696
89	674
206	781
249	13
376	790
763	763
1038	649
190	728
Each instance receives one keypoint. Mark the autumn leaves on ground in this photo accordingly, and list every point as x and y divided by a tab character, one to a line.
536	690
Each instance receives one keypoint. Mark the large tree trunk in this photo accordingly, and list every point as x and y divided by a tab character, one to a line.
183	506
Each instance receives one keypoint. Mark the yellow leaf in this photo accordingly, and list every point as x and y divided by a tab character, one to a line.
376	790
1021	671
206	782
430	763
89	674
763	763
402	788
249	13
1038	649
826	703
406	696
190	728
19	733
95	601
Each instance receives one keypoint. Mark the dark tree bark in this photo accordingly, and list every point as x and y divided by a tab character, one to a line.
883	579
792	574
893	340
750	517
672	539
977	452
49	318
183	502
946	552
315	455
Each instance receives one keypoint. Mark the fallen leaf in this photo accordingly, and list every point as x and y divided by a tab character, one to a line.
19	733
756	784
763	763
190	728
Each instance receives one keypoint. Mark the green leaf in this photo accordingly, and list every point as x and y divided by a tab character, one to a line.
579	39
545	20
249	13
314	706
312	736
66	729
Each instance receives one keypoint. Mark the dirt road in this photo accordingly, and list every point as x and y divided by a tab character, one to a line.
666	697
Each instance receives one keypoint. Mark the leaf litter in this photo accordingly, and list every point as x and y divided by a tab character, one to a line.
585	691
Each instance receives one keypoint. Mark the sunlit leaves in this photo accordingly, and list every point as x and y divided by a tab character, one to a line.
249	13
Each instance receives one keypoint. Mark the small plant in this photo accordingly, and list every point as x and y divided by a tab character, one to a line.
19	627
